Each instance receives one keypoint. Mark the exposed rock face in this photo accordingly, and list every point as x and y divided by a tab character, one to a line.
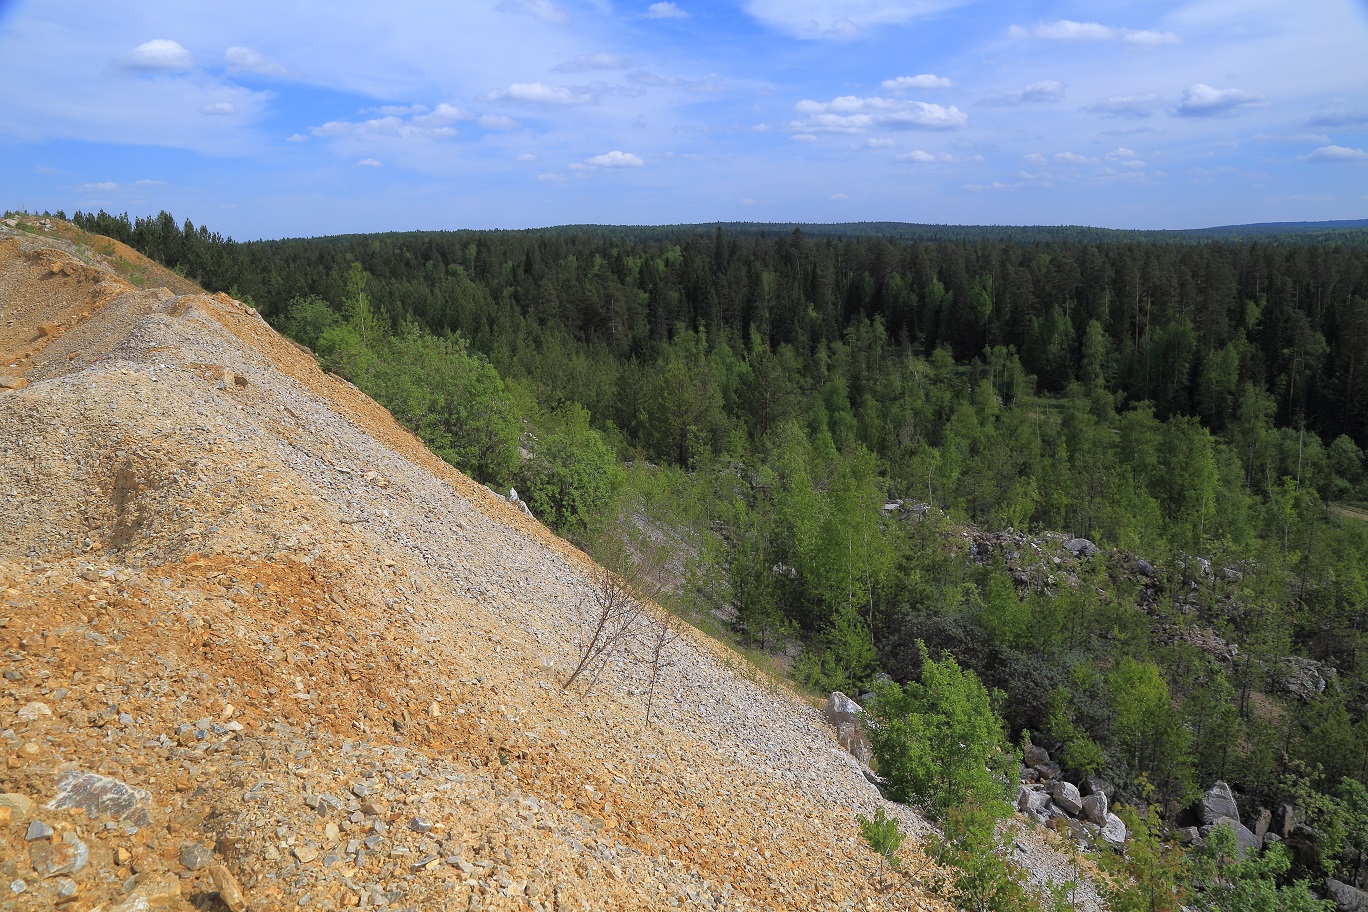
1095	809
1302	678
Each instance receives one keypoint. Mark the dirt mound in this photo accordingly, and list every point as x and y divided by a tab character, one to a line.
262	650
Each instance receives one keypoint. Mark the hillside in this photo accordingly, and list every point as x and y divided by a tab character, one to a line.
254	632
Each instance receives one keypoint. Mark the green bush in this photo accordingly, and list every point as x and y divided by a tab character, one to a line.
939	741
573	475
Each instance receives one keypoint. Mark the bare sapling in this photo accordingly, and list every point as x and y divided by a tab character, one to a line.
662	634
614	610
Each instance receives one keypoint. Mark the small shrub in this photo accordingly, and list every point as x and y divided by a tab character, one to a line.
883	835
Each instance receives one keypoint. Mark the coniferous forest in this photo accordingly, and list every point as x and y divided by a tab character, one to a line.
819	423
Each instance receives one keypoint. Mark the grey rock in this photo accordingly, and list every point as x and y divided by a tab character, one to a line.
1081	546
1065	794
1095	785
420	825
60	856
1095	809
1144	568
1032	801
1217	802
1263	821
102	798
1049	771
1302	678
37	830
1187	835
195	856
1034	756
1113	831
21	806
1345	897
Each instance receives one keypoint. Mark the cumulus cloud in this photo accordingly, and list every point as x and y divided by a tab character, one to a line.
921	157
1073	158
246	60
539	93
297	138
1201	100
160	55
527	157
1069	30
665	11
497	122
1133	106
841	19
923	81
586	62
615	159
369	163
1336	154
852	114
219	109
1042	92
544	10
100	185
880	143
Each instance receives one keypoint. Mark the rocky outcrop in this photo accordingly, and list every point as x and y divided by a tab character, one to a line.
1217	803
848	718
1345	897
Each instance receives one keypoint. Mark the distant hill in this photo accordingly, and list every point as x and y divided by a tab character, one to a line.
1351	231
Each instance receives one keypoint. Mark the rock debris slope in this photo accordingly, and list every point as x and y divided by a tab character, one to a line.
262	650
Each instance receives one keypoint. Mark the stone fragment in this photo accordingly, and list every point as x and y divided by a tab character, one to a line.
195	855
37	830
20	806
66	890
32	712
1081	546
102	798
1066	795
150	893
1035	756
420	825
230	894
304	853
10	382
1032	801
59	856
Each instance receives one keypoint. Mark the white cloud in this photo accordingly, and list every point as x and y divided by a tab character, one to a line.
246	60
1202	100
1336	154
852	114
1341	117
160	55
101	185
149	183
923	81
497	122
1073	158
840	196
370	163
586	62
297	138
1121	152
544	10
665	11
552	177
841	19
1069	30
406	122
761	128
880	143
615	159
527	157
1043	92
539	93
1135	106
804	137
920	157
219	109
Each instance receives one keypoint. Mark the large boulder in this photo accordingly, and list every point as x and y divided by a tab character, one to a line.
1216	803
846	715
1095	809
1096	785
1033	755
1248	842
1113	831
1065	794
1032	802
1345	897
1081	547
1302	677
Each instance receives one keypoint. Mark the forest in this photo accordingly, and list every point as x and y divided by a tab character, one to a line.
818	421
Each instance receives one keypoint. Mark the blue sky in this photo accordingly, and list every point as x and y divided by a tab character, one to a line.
306	118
